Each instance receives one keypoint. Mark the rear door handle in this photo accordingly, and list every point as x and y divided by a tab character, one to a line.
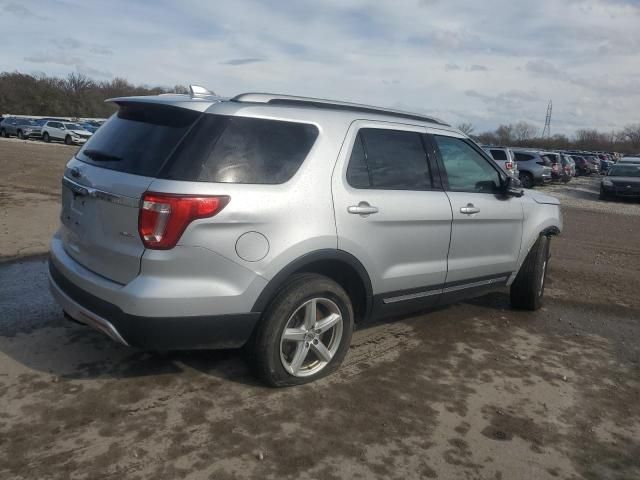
469	209
363	208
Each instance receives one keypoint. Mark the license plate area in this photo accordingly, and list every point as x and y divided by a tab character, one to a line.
77	209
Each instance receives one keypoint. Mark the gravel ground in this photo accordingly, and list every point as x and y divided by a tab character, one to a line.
582	193
474	390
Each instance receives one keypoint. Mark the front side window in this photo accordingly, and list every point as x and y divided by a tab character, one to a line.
388	160
466	169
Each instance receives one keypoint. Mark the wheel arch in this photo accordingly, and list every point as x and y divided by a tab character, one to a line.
340	266
548	225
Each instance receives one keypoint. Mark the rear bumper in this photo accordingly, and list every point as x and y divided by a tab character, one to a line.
32	134
182	299
156	333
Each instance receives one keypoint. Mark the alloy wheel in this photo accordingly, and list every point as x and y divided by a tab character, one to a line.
311	337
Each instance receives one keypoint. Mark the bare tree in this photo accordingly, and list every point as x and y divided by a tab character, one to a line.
591	139
73	96
505	134
631	133
523	131
466	128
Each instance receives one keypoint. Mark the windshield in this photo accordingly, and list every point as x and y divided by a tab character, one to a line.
73	126
625	171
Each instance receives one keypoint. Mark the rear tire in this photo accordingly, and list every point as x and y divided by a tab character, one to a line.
526	179
45	137
527	290
300	308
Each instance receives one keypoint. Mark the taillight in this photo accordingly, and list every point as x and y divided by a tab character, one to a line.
164	217
508	165
554	167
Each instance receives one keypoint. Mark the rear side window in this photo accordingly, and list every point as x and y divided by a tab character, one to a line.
523	157
388	160
499	154
241	150
138	139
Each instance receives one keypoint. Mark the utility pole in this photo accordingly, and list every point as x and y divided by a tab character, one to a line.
546	133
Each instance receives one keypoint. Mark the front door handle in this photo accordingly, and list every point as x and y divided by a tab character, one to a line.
363	208
469	209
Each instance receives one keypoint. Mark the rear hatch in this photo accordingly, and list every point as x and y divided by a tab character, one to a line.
103	185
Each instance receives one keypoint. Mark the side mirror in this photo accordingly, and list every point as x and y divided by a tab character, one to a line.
512	187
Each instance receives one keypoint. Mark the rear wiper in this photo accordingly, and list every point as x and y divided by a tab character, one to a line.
99	156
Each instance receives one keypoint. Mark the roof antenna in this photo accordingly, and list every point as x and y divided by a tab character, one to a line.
198	91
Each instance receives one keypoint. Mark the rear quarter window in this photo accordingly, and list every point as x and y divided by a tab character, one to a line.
523	157
231	149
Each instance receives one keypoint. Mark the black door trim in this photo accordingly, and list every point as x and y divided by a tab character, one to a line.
412	300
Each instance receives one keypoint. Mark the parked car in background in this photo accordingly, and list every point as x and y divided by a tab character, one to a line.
594	163
19	127
605	164
582	165
629	160
90	126
171	241
503	156
558	172
69	133
532	167
623	180
568	164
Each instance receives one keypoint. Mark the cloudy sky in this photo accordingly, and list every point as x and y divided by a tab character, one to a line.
485	62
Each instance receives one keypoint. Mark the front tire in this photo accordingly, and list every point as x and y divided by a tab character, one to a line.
603	195
68	140
527	290
21	135
305	332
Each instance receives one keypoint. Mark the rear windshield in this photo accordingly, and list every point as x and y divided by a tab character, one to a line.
499	154
138	139
175	143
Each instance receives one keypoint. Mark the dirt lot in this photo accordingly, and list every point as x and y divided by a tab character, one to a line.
29	191
474	390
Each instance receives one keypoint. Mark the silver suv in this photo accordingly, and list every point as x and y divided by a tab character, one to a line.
503	156
533	168
277	223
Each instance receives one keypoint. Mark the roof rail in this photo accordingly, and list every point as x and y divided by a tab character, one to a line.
276	99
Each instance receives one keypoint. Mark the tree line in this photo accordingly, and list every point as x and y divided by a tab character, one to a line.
524	134
73	96
80	96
